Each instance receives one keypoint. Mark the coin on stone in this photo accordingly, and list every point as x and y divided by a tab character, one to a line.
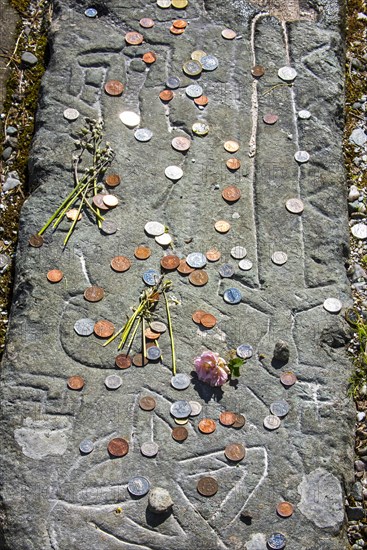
229	34
207	426
285	509
196	408
209	62
184	268
114	87
98	202
295	206
154	228
151	335
149	449
232	296
134	38
239	422
104	329
244	351
166	95
153	353
139	360
112	180
147	403
36	241
226	271
170	262
194	90
118	447
200	128
84	327
196	260
164	3
197	55
180	381
146	23
173	82
227	418
198	315
149	57
151	277
142	252
123	361
130	119
235	452
288	379
180	409
271	422
332	305
192	68
86	446
279	258
163	240
207	486
208	320
55	276
143	134
245	265
138	486
213	254
109	228
179	434
179	4
181	143
91	12
359	231
301	156
288	74
180	23
176	31
231	193
258	71
279	408
158	326
305	115
276	541
93	293
75	383
173	173
238	252
120	264
270	119
113	381
201	101
222	226
231	146
233	164
198	277
71	114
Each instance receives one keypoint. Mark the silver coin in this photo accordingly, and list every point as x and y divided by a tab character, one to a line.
209	62
180	381
113	381
279	408
226	271
276	541
153	353
138	486
71	114
238	252
196	408
245	351
109	228
196	260
287	74
86	446
302	156
143	134
305	115
151	277
192	68
279	258
164	3
245	265
271	422
154	228
173	173
332	305
157	326
180	409
130	119
232	296
359	231
294	206
91	12
163	240
149	449
173	82
84	327
194	90
200	128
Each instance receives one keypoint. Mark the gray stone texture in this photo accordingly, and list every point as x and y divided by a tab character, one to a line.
52	496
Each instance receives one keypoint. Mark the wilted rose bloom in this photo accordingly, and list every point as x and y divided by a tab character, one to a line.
211	368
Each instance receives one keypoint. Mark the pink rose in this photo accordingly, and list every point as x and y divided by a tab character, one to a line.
211	368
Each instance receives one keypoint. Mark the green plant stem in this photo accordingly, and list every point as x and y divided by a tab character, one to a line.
170	332
133	334
76	218
55	214
144	342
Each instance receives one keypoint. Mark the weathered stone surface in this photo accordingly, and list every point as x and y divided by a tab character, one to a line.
55	498
159	500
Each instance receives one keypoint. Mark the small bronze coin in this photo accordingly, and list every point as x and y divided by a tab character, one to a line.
147	403
175	30
227	418
257	70
270	119
239	422
73	214
207	426
235	452
184	268
151	335
118	447
36	241
180	433
134	38
181	143
170	262
288	378
75	382
120	264
231	193
233	164
98	202
55	276
285	509
198	315
203	100
198	277
208	320
149	58
166	95
139	360
112	180
146	23
213	254
114	87
94	293
123	361
179	24
207	486
142	252
104	329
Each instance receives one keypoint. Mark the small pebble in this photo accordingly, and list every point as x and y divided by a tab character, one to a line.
353	193
28	59
361	416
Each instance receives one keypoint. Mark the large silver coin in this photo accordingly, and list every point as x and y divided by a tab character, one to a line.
138	486
149	449
287	74
196	408
173	82
192	68
276	541
279	408
238	252
244	351
154	228
84	327
109	228
71	114
163	240
209	62
194	90
271	422
180	409
226	271
232	296
113	381
130	119
86	446
197	260
157	326
302	156
143	134
245	265
180	381
359	231
153	353
294	206
173	173
279	258
151	277
305	115
333	305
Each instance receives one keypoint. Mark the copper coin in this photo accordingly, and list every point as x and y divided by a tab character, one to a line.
142	252
134	38
233	164
239	422
55	275
231	146
208	320
257	70
202	100
198	277
207	486
213	254
229	34
73	214
147	403
179	24
181	143
123	361
113	180
285	509
146	23
98	202
235	452
227	418
114	87
207	426
222	226
118	447
288	378
184	268
36	241
180	433
270	119
94	293
149	58
139	360
175	30
120	264
75	383
104	329
231	193
166	95
170	262
198	315
151	335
